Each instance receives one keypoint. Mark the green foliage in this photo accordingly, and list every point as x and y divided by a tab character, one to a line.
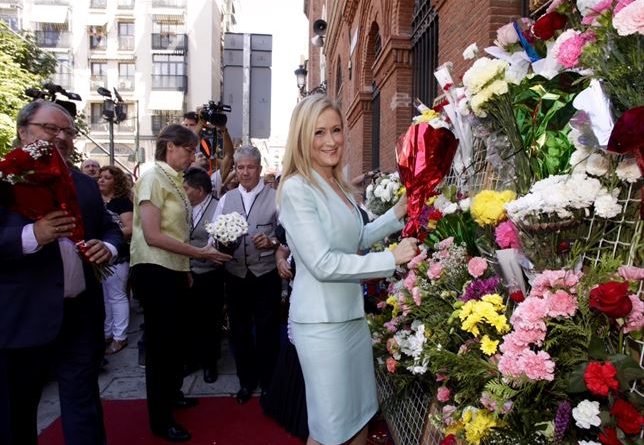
22	65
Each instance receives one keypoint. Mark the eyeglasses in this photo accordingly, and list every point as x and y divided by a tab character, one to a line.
54	130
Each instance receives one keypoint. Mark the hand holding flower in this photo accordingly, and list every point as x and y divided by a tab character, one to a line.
95	251
54	225
405	250
208	252
400	208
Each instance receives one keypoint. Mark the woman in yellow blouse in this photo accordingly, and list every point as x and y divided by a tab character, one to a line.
160	255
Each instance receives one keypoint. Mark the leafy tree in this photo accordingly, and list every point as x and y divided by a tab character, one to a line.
22	65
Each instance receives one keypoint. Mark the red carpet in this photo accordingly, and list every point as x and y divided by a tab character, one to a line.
215	421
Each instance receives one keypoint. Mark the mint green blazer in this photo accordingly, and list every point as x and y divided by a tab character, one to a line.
325	237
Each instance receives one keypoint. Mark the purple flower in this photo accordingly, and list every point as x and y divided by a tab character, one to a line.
479	287
562	420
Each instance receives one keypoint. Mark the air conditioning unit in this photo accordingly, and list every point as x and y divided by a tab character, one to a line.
126	85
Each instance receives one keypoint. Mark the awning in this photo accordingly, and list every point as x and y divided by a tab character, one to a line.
49	14
167	15
166	100
96	20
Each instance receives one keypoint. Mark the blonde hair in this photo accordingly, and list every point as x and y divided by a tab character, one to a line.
297	157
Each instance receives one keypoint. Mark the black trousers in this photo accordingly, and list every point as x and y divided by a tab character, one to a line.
205	312
253	307
163	293
74	359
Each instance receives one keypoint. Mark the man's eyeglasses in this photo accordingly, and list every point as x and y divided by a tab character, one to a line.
53	130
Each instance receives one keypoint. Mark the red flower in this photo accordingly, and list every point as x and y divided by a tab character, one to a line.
517	296
628	418
546	26
601	378
612	299
609	437
450	439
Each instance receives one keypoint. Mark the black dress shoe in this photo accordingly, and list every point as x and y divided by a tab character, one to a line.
173	433
243	395
210	375
186	402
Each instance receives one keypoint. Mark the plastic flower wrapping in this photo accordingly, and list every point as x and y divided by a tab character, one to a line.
522	315
383	192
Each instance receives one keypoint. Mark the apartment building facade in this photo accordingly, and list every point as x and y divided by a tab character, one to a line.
162	56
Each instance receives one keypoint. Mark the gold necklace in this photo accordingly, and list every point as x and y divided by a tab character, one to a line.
182	194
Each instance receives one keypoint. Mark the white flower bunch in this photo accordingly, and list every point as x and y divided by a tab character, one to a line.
411	343
484	80
227	228
383	193
560	195
38	149
586	414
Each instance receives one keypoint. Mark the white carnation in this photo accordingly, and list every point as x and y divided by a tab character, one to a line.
588	442
470	52
606	205
597	164
464	204
482	72
586	414
628	170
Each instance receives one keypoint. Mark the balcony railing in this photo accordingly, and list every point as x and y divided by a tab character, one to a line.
175	42
97	80
168	3
52	39
126	84
165	82
126	43
62	79
125	4
49	2
98	126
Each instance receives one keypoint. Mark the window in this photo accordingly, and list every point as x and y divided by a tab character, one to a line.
98	76
63	74
424	52
168	72
126	36
126	76
97	37
161	118
96	121
126	4
98	3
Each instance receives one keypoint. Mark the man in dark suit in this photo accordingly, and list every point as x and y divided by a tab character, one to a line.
51	317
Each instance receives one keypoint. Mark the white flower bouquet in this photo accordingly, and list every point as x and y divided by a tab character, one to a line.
383	193
226	231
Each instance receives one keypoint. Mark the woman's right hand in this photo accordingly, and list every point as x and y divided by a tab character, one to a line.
405	250
209	253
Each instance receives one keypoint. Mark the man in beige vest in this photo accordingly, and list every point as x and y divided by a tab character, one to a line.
253	285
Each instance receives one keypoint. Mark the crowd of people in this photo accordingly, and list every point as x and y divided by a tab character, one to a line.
152	233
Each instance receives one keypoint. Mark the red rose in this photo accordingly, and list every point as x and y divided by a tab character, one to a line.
544	28
628	418
517	296
609	437
450	439
600	378
611	298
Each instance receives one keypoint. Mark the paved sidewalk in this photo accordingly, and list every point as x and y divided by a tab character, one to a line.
123	378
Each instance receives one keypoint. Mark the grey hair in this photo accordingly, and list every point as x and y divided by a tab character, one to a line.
27	113
247	151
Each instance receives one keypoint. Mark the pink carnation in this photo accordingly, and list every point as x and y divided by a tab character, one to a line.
446	243
392	346
391	365
530	314
596	11
443	394
507	236
537	366
509	365
635	319
571	49
477	266
631	273
415	293
448	411
629	18
560	303
410	280
488	402
418	259
621	4
435	271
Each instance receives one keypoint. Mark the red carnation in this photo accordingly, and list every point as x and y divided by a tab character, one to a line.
609	437
517	296
628	418
546	26
450	439
612	299
601	378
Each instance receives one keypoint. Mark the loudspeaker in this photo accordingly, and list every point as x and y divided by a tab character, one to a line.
319	27
317	41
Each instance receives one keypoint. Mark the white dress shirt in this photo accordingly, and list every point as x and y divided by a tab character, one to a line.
248	197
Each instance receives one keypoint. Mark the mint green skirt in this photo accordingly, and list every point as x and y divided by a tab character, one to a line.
337	363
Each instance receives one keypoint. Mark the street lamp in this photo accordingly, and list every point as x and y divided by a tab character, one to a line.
300	76
113	113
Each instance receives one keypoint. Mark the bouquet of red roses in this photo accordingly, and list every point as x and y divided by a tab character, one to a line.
37	182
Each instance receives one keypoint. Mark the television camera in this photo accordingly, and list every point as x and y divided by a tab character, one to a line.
50	91
214	113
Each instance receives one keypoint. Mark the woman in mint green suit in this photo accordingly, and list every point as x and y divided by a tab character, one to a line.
325	232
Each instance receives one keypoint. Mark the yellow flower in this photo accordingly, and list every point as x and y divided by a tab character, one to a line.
431	200
393	302
392	246
489	346
480	425
470	324
500	323
488	206
400	192
495	299
426	116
